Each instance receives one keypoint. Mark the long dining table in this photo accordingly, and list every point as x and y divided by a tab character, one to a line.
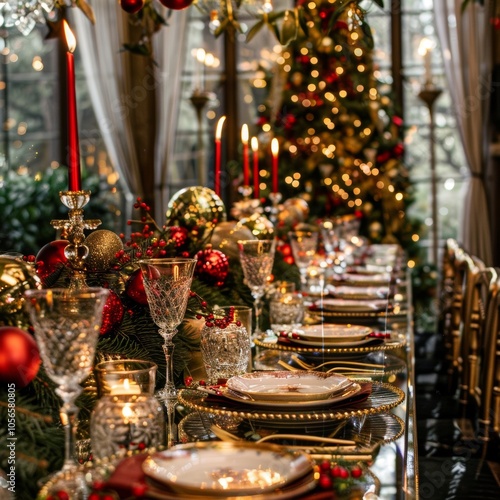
380	428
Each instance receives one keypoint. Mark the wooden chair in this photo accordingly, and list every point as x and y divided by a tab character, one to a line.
452	328
446	288
488	389
478	284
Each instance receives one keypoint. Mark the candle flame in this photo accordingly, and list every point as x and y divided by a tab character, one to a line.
70	38
220	124
244	133
275	147
426	45
255	144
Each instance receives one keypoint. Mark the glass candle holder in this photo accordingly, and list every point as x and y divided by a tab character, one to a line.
127	417
226	352
286	310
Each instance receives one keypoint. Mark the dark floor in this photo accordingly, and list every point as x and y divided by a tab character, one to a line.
453	464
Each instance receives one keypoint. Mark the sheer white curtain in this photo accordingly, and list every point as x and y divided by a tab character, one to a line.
169	47
106	73
465	37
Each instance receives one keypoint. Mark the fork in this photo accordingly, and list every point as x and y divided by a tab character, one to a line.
353	364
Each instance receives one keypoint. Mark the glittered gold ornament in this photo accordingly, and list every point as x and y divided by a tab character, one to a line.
103	246
260	226
16	276
226	235
198	209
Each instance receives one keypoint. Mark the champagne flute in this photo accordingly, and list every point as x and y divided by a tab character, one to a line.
67	324
257	259
304	244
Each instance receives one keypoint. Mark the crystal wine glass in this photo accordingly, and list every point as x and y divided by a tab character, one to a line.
167	283
304	244
257	259
67	324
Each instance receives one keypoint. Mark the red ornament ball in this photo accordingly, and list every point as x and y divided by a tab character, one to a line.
19	356
112	314
132	6
134	288
179	235
50	259
212	266
176	4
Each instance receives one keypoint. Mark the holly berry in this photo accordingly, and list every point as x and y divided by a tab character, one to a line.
325	481
356	472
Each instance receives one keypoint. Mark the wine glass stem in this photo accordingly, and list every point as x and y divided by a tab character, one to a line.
258	308
303	278
168	349
68	414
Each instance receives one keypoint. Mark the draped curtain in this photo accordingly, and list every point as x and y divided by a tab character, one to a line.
465	37
116	91
169	47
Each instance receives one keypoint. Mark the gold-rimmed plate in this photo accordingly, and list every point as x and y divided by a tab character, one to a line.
327	350
350	305
350	391
223	470
332	333
286	386
383	397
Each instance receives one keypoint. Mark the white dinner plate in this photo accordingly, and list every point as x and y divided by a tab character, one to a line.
358	292
288	386
225	469
366	278
332	333
350	391
351	305
319	343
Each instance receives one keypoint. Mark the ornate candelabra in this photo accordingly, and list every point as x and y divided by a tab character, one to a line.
76	252
429	95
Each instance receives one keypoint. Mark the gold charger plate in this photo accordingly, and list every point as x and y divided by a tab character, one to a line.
383	398
387	345
373	432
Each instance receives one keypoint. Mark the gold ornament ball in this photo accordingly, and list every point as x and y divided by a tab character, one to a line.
259	225
299	206
16	276
198	209
103	246
226	235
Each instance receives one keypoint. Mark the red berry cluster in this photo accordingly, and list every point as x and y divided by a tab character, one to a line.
151	241
337	476
213	318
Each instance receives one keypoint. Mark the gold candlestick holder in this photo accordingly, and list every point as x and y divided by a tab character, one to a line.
429	94
76	252
274	210
245	191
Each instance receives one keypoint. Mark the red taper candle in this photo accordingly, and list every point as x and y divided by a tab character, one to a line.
246	159
74	174
274	151
255	150
218	154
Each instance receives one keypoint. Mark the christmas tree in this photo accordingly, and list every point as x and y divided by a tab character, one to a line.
340	138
